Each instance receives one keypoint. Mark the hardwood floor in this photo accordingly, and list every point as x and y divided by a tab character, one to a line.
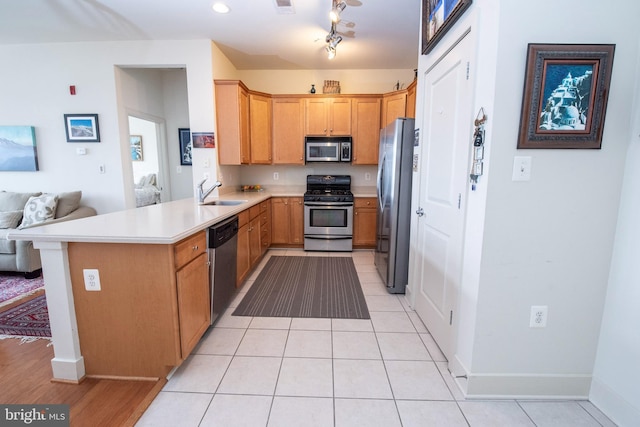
25	378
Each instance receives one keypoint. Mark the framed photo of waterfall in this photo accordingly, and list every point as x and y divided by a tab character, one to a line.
565	94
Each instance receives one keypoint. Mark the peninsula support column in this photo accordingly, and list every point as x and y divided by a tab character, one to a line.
68	363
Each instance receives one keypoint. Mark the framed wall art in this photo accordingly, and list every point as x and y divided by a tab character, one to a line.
82	127
135	145
437	17
18	148
184	137
203	140
566	88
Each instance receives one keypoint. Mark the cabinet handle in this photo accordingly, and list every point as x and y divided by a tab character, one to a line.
195	248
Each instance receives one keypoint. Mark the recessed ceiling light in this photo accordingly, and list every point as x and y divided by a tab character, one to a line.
221	8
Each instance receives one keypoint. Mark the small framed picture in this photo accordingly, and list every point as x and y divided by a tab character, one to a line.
82	127
203	140
566	88
184	137
135	144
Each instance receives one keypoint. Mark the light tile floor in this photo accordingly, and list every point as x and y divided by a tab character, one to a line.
387	371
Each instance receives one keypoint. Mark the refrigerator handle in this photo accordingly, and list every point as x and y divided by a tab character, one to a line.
379	186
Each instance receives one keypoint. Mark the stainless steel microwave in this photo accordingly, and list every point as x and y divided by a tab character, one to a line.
327	149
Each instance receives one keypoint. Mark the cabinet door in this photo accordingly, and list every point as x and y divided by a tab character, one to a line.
244	259
410	110
232	118
393	106
255	249
260	125
364	222
366	130
193	302
340	116
288	131
296	213
280	220
265	226
316	117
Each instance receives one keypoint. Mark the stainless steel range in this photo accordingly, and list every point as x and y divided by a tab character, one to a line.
328	213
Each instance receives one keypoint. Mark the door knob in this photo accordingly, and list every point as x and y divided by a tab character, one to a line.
420	212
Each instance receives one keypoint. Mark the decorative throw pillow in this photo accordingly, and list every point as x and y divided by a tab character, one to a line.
10	219
39	209
10	201
67	203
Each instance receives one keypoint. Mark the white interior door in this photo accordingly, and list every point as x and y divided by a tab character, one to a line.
443	177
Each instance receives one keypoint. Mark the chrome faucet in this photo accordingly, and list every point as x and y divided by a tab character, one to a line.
202	194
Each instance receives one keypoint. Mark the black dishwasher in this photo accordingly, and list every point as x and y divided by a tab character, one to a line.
223	244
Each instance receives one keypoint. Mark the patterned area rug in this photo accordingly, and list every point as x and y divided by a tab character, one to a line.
29	320
298	286
15	287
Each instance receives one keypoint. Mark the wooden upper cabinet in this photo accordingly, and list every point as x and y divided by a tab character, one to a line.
393	106
410	110
232	119
260	128
288	131
328	116
365	126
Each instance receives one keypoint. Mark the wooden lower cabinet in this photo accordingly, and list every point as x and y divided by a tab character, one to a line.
152	308
287	224
364	222
254	238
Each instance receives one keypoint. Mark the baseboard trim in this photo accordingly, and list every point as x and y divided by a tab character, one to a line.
613	405
528	386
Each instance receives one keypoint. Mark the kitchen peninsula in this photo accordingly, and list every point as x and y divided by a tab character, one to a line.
144	310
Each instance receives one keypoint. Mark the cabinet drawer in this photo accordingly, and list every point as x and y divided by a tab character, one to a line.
264	206
190	248
243	218
365	202
254	211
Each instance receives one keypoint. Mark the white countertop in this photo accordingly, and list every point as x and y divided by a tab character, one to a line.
165	223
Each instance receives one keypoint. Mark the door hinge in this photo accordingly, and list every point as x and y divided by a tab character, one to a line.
459	200
468	66
451	317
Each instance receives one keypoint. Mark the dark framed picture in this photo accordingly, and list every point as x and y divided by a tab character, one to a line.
82	127
135	145
437	17
184	136
203	140
566	88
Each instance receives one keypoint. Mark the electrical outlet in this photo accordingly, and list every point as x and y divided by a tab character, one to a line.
91	279
276	176
102	168
367	176
538	317
206	176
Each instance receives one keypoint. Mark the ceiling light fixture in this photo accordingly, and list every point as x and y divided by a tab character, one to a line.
336	10
333	39
220	8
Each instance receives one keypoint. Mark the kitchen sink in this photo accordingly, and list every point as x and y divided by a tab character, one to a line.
225	202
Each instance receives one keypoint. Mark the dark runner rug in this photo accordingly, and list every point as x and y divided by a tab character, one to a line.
300	286
29	320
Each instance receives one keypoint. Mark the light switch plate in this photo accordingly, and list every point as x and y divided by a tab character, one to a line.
521	168
91	279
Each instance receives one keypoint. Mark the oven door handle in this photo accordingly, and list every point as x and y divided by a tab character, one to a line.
328	204
327	237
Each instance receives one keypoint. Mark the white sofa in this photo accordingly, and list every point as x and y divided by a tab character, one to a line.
26	210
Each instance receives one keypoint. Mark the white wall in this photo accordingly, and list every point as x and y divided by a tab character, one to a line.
616	378
35	92
547	241
351	81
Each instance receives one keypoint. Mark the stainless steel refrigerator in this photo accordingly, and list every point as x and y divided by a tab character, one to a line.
394	203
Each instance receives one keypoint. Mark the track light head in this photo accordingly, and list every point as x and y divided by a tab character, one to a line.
336	10
331	51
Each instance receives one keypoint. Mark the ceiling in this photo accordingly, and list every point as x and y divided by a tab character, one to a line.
376	34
